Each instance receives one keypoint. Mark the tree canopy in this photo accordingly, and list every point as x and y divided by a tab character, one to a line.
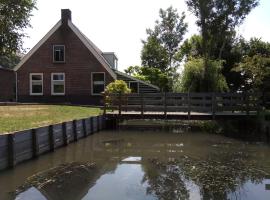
15	17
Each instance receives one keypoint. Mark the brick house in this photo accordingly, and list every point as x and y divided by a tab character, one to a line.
66	67
7	85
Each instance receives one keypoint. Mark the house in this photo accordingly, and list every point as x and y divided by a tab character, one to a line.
7	85
65	66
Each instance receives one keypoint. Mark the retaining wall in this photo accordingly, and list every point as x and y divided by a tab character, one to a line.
25	145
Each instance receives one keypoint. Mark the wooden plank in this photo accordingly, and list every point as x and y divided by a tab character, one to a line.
91	125
84	128
51	138
35	144
74	127
11	150
64	131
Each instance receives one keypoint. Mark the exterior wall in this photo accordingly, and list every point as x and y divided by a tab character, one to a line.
143	88
111	59
79	63
7	85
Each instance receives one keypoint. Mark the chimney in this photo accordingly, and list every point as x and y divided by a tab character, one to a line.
65	15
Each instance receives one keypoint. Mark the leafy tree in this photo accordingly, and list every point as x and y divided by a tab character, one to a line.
193	76
159	52
217	20
14	19
255	70
167	35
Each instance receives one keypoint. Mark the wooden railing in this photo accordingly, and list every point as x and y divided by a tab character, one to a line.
183	102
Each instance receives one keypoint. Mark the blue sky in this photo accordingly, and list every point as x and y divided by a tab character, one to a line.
120	25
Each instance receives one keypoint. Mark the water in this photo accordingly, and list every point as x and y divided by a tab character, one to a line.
130	165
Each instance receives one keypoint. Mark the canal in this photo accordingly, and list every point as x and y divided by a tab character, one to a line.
144	165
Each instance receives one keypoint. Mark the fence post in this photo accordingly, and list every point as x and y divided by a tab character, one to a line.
189	108
11	151
74	123
165	105
64	131
104	102
120	104
213	105
84	127
51	138
142	104
91	125
35	143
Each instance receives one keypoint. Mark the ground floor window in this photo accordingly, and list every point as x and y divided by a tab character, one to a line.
36	84
58	83
134	86
98	82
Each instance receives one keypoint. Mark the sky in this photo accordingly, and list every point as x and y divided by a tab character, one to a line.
120	25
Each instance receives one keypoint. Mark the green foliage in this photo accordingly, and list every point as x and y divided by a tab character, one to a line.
118	86
194	80
15	16
9	61
255	70
163	42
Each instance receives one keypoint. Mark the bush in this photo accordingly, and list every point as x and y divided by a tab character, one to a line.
118	86
199	76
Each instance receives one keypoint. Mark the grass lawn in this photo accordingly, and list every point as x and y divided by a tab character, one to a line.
21	117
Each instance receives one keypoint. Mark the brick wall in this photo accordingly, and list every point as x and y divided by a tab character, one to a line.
79	63
7	85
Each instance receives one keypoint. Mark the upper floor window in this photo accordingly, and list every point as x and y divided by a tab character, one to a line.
98	82
58	53
58	83
36	84
134	86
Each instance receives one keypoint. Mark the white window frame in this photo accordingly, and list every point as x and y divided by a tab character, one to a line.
53	81
31	85
57	45
138	87
92	83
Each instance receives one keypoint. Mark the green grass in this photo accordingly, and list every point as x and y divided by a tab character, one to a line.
21	117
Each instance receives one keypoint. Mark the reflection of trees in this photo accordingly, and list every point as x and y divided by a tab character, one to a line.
217	176
165	181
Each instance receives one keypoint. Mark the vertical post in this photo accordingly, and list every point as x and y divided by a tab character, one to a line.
64	131
98	124
142	104
74	123
51	138
213	105
35	144
84	128
120	104
165	104
11	151
105	103
91	125
189	107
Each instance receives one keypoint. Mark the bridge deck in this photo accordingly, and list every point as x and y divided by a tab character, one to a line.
180	115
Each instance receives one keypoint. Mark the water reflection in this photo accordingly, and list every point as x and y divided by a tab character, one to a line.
156	166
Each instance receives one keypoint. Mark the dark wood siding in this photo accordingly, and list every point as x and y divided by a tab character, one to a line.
7	85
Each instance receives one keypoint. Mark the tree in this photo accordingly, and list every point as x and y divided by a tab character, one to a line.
14	19
217	20
192	76
161	47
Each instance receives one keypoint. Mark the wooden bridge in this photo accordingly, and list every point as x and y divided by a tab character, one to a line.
185	106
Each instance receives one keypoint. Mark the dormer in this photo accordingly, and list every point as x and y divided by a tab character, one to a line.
112	59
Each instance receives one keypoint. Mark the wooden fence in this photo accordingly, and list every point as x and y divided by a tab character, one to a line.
184	102
25	145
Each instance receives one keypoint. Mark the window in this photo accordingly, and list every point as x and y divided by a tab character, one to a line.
98	82
58	53
134	86
36	84
58	83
